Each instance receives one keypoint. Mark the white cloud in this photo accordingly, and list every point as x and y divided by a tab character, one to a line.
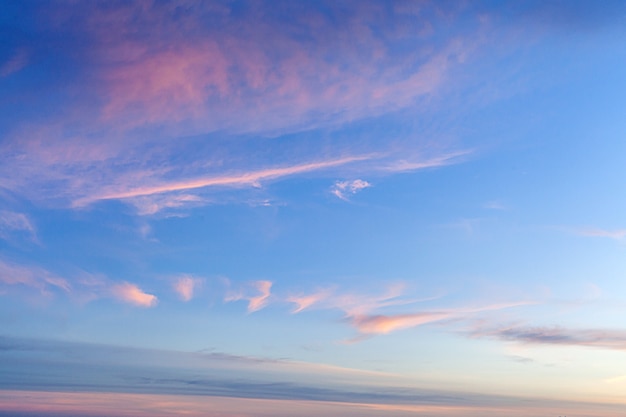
11	222
617	234
342	189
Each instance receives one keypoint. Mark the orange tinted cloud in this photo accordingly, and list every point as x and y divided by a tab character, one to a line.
380	324
373	324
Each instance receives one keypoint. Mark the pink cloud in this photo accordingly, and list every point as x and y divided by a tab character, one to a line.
132	294
255	302
380	324
371	324
248	72
153	79
31	276
259	301
303	302
185	287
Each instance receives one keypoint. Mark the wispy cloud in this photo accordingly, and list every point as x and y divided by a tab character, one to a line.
352	303
364	312
418	163
132	294
185	286
380	324
192	73
30	276
595	338
152	204
81	287
304	302
259	300
252	178
342	189
617	234
376	324
18	61
189	80
11	222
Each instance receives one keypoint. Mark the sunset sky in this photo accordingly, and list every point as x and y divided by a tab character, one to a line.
304	208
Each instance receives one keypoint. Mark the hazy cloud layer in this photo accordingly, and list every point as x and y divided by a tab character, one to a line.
125	370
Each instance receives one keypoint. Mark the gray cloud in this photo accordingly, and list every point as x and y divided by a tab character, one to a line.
596	338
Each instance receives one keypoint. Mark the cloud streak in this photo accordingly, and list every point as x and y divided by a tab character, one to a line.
252	178
593	338
616	234
362	312
378	324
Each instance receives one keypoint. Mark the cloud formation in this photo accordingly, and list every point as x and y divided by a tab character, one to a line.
83	287
11	222
363	312
262	292
252	178
594	338
185	286
34	277
617	234
342	188
246	72
381	324
132	294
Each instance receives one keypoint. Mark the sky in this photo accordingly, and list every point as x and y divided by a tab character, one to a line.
294	208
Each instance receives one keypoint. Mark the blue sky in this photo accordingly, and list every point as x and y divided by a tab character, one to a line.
355	208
